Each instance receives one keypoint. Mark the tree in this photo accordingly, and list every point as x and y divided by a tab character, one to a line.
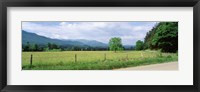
27	47
54	46
139	45
36	47
164	36
49	46
149	36
115	44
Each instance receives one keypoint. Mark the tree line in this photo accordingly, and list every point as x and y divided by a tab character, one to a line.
163	36
37	47
115	44
55	47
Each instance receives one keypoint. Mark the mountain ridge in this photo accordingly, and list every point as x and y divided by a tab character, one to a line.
34	38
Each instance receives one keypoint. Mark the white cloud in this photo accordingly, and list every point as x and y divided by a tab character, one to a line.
100	31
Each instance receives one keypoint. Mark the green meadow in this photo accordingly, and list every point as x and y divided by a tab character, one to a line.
93	60
93	46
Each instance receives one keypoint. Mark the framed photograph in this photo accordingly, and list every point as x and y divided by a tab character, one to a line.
85	45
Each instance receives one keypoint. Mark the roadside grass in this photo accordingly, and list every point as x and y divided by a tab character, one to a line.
93	60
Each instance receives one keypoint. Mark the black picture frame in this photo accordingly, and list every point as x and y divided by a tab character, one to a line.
99	3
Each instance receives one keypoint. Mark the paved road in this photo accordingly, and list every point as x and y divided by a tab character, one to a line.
163	66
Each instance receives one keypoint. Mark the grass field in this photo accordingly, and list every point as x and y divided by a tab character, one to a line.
93	60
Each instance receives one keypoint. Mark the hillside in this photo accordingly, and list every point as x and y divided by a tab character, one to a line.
33	38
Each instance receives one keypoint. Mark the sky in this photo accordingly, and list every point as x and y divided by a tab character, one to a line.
129	32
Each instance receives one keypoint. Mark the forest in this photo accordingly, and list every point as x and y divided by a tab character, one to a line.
163	36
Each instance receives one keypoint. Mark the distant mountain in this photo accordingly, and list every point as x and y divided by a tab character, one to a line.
33	38
129	46
92	43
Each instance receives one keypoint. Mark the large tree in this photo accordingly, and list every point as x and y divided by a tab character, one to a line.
139	45
148	38
115	44
164	36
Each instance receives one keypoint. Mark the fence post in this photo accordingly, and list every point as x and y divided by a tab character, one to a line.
75	58
126	56
31	60
104	56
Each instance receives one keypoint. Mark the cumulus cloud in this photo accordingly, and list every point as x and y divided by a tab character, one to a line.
130	32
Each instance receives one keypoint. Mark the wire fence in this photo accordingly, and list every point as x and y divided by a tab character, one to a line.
84	57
